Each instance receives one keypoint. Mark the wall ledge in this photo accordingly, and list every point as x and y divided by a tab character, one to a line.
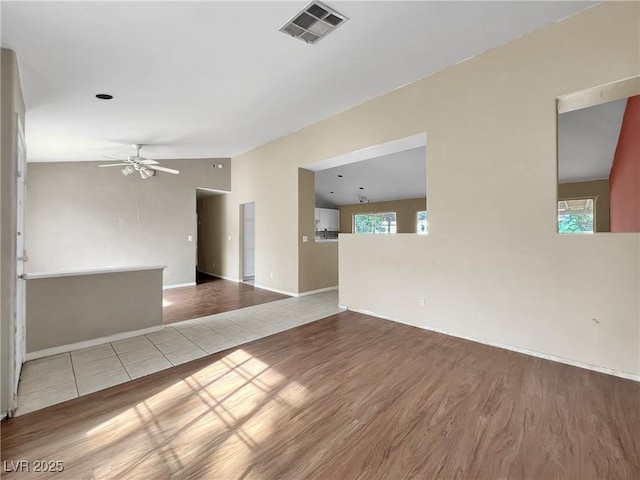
93	271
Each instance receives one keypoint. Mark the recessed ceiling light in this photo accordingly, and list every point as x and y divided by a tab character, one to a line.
104	96
361	188
330	192
339	176
313	22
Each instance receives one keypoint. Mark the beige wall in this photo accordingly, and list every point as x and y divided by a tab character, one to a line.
593	188
12	102
406	213
271	181
80	216
490	269
70	309
318	265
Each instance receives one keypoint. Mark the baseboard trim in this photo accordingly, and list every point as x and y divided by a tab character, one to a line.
179	285
301	294
319	290
223	277
90	343
237	280
276	290
533	353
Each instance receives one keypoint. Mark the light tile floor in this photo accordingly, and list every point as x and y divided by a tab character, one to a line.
58	378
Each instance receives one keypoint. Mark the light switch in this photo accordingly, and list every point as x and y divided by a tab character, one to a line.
190	238
229	238
305	238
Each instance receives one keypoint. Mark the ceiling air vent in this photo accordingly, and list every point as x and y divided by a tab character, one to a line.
314	22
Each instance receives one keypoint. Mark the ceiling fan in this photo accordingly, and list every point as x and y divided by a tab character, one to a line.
135	163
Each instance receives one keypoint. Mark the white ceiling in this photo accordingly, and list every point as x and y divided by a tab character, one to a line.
587	141
389	177
214	79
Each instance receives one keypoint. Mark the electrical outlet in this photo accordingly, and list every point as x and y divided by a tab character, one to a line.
271	275
422	301
305	238
213	264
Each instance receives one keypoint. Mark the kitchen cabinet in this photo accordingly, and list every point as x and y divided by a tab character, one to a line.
327	219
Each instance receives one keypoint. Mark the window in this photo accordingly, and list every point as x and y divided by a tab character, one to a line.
575	216
374	222
422	225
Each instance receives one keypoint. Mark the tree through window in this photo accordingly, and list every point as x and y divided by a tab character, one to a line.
575	216
374	222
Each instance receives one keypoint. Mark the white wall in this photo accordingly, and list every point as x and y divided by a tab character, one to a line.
490	268
80	216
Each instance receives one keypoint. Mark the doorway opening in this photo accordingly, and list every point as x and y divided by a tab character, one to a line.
209	241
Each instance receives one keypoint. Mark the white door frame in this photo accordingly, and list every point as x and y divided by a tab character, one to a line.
20	328
244	275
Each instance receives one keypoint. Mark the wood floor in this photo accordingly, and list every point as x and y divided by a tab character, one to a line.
346	397
211	296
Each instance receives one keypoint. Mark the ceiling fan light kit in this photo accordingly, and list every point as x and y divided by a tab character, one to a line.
147	167
146	173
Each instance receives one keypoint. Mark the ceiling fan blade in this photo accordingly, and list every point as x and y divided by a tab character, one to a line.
114	165
163	169
112	158
147	161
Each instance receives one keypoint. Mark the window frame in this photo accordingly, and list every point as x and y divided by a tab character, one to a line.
418	222
374	214
594	199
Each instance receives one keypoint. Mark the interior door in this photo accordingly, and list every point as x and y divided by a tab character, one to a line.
21	256
249	241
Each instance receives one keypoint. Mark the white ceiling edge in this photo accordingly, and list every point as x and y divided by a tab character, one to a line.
582	181
367	153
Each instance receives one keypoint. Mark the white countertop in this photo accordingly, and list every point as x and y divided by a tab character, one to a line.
93	271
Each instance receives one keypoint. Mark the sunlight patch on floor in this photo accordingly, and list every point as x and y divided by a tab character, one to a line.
237	402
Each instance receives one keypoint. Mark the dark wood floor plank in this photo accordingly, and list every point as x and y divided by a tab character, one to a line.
346	397
213	295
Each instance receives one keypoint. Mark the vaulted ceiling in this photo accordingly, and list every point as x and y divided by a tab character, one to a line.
214	79
587	141
389	177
